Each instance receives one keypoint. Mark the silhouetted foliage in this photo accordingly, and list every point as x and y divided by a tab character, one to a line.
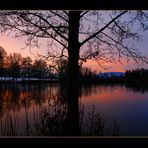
16	66
61	69
136	75
87	76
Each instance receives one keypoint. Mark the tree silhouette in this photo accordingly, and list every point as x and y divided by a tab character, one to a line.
61	68
79	35
40	68
3	55
26	67
15	62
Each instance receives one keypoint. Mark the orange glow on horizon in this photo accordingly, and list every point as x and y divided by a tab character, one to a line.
12	45
109	66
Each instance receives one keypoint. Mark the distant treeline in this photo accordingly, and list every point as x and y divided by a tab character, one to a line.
136	75
130	76
17	66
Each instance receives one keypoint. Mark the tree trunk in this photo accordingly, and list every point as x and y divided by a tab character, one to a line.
73	48
72	123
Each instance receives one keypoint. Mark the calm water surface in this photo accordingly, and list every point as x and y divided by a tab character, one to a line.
21	107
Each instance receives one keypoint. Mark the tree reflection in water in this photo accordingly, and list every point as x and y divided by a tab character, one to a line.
49	110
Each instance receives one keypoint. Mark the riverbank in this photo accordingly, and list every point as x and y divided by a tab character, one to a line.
26	80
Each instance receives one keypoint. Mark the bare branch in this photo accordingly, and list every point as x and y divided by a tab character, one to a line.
59	15
84	13
65	12
101	36
53	27
44	31
103	28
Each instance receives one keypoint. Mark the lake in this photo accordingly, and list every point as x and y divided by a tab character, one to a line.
41	110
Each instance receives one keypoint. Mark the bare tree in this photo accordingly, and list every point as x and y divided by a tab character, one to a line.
40	68
104	36
2	56
15	62
27	62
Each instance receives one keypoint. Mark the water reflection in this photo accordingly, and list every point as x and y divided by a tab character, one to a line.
143	88
21	105
48	109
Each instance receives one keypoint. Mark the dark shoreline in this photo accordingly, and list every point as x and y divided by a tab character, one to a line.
30	81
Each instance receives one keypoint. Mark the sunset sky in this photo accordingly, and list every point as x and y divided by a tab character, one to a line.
14	45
